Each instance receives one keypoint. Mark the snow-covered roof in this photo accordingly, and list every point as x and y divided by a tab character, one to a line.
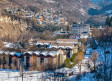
30	52
64	47
52	53
45	53
39	43
37	52
12	53
7	52
1	52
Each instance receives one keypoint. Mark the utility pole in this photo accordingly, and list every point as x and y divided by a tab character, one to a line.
21	64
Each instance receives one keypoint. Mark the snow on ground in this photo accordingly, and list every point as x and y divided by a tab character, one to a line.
87	77
28	76
101	60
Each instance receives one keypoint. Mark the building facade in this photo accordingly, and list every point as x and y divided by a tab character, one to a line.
70	46
48	57
79	29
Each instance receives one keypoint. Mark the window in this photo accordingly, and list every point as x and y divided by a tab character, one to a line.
41	60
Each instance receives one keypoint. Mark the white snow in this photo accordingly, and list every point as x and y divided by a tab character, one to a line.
12	53
8	45
1	52
82	11
109	11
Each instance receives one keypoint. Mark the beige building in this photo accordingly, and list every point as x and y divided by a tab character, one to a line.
49	57
70	46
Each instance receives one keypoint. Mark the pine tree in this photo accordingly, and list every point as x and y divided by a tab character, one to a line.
73	58
68	63
108	21
68	28
111	19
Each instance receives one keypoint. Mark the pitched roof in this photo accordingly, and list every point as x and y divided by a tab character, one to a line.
44	41
62	44
67	40
43	52
39	52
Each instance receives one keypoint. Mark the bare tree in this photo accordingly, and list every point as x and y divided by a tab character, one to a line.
7	67
94	58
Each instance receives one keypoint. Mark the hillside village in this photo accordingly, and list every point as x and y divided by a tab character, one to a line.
43	17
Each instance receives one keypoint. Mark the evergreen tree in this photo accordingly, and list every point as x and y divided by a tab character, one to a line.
68	28
68	63
111	19
108	21
73	57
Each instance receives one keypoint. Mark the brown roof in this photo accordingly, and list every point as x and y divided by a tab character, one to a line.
44	41
11	49
41	49
31	49
70	40
62	44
